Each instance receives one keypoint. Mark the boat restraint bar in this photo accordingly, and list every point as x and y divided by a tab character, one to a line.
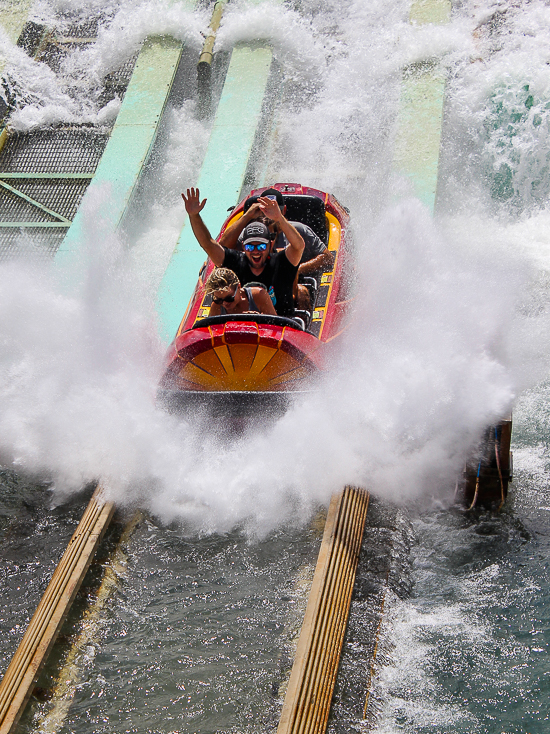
258	318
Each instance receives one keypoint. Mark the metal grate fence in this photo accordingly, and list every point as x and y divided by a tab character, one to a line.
73	150
43	177
44	174
39	243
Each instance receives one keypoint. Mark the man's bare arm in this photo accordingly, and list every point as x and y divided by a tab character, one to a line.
230	237
194	206
296	242
324	261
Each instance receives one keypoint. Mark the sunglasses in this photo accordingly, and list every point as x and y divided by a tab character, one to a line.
227	299
258	246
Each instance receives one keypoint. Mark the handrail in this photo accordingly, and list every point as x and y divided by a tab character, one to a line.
258	318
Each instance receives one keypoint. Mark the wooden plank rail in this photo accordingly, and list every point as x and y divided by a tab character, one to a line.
311	685
66	683
25	666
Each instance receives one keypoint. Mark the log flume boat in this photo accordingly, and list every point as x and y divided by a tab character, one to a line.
260	361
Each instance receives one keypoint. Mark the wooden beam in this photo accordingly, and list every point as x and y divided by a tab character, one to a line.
25	666
311	685
70	675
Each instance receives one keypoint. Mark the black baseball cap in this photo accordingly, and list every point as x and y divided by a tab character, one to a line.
276	194
248	203
256	232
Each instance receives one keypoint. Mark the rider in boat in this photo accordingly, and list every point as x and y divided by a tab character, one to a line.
315	258
276	270
229	297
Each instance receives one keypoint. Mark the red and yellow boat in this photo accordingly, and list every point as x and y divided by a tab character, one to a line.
256	357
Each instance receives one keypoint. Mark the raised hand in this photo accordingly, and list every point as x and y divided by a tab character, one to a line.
270	208
193	204
254	211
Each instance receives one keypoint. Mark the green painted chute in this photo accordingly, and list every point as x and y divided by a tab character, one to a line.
420	117
132	138
221	177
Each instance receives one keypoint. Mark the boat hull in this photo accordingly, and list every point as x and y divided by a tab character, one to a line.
242	356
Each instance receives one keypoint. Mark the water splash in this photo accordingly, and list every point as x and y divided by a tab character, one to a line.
446	337
73	93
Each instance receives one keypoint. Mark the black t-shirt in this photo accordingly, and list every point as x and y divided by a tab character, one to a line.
314	246
277	276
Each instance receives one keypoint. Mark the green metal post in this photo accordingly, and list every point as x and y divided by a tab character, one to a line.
421	111
222	174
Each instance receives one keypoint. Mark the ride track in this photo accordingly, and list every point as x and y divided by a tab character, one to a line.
247	85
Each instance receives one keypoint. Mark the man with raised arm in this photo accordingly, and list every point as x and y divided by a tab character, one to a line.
315	257
257	263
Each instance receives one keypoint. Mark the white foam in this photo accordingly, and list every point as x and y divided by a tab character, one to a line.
73	95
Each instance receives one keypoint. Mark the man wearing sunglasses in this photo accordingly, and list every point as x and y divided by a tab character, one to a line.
315	258
277	271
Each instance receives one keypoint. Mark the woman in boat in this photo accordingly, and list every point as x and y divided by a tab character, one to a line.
229	297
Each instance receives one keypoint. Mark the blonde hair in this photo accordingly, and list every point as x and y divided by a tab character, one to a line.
219	279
